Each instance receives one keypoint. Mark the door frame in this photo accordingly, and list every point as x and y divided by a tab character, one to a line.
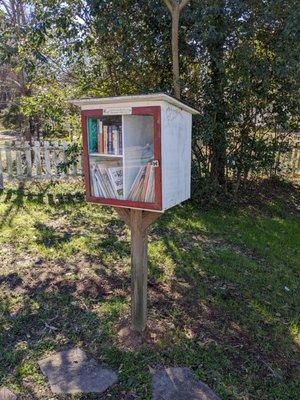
155	112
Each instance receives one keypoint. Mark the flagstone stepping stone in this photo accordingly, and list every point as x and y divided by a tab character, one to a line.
6	394
72	371
179	384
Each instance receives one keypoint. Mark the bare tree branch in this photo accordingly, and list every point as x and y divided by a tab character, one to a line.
182	4
169	5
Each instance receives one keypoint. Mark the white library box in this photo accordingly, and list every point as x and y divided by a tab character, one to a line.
137	150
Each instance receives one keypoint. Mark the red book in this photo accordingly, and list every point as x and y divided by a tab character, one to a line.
146	181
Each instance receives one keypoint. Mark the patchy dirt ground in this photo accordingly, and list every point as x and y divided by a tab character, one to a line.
223	292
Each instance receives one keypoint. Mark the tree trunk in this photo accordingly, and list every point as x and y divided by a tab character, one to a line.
175	7
218	142
175	52
29	131
217	105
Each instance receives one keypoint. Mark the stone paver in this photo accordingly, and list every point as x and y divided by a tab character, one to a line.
72	371
179	384
6	394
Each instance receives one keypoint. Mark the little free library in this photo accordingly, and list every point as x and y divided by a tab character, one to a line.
137	158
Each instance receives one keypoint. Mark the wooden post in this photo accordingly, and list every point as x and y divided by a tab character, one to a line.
47	159
19	163
37	158
138	221
9	164
139	271
28	156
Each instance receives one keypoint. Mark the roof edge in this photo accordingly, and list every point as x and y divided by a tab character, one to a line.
134	98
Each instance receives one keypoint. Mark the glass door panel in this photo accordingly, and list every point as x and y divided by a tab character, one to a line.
121	157
139	171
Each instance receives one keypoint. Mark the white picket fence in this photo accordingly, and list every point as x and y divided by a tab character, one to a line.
290	162
39	161
20	161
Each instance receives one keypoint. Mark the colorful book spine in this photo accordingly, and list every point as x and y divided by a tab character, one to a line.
92	135
115	140
109	145
120	140
100	137
105	139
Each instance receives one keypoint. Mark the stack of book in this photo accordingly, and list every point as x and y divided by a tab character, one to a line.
104	137
110	138
142	188
107	182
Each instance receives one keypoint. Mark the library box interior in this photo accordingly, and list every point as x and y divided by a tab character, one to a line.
136	150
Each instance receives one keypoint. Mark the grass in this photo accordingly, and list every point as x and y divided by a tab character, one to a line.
223	290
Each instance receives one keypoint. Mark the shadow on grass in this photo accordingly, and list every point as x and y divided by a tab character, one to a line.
17	197
53	314
15	204
50	237
233	291
220	313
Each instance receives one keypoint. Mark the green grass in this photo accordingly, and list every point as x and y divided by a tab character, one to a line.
223	288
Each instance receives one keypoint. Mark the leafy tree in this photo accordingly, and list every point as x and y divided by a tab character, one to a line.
35	83
239	65
16	64
248	87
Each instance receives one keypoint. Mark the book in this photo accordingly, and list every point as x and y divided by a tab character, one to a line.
149	197
145	184
92	135
109	140
116	178
100	137
106	182
105	139
109	191
115	140
120	140
142	188
135	184
95	187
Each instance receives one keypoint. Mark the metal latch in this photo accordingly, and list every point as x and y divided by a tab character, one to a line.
155	163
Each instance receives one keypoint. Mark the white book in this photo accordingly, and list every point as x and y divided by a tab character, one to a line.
136	181
115	140
94	183
150	186
116	177
100	186
106	183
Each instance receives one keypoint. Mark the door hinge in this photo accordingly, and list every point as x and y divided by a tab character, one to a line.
155	163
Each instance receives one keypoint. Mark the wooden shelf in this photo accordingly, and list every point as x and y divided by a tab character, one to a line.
106	155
